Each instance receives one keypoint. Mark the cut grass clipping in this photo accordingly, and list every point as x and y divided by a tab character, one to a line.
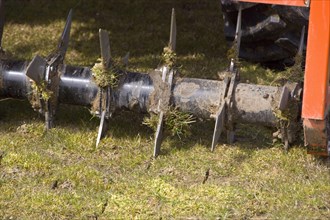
169	57
233	53
104	77
176	122
41	89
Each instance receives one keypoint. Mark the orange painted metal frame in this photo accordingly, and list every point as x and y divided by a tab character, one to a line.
301	3
316	83
317	62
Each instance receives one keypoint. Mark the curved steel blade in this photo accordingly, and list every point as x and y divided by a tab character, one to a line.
172	42
302	40
219	126
126	59
100	134
159	134
238	34
65	38
105	48
49	116
36	69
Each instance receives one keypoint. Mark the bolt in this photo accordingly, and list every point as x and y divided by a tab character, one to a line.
307	3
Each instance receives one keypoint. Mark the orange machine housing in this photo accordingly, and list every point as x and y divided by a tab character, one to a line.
302	3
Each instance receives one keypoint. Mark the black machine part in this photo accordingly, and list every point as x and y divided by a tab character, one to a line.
269	32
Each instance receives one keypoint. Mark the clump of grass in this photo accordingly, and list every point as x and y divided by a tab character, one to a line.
287	121
233	54
104	77
176	122
294	73
42	90
39	91
284	117
169	57
151	121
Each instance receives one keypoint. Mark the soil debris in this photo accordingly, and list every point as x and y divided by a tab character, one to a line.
160	97
207	174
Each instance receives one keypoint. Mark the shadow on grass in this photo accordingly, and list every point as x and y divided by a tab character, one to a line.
122	124
14	112
126	124
139	27
249	138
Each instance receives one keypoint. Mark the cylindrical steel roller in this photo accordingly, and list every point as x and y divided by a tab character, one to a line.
256	103
133	92
77	86
13	81
201	97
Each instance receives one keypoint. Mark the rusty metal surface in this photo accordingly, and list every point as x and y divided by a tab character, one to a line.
255	103
316	137
201	97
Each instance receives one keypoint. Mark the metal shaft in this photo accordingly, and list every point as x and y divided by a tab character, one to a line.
201	97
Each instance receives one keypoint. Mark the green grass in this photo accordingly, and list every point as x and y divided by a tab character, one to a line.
62	175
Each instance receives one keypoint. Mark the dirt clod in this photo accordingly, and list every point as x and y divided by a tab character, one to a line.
160	97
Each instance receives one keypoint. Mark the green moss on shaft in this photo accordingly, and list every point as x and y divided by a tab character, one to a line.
169	57
41	89
104	77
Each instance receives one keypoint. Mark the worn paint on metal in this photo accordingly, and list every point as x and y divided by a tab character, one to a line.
255	103
316	137
302	3
186	90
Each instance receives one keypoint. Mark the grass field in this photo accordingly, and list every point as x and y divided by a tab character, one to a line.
62	175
